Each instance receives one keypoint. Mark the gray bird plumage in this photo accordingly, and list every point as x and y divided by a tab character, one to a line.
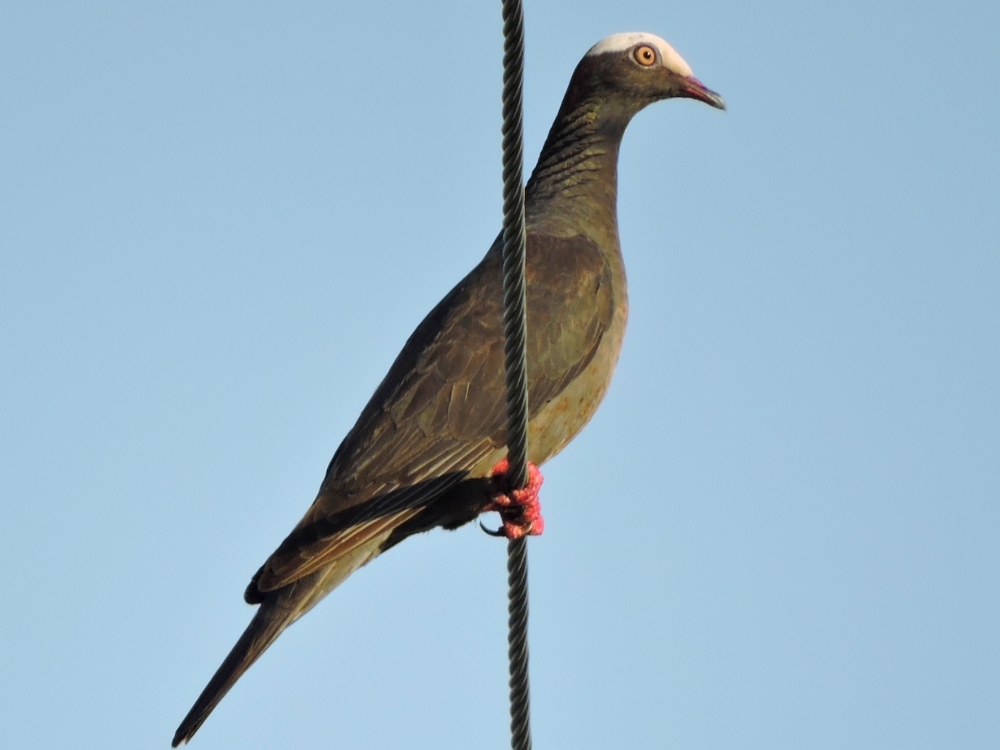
419	455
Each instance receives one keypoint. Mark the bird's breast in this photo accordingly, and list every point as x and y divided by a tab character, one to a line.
559	420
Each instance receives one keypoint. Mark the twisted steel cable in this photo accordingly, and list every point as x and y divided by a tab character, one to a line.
517	643
515	360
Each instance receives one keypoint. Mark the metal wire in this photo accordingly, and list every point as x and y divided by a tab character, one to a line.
515	360
517	643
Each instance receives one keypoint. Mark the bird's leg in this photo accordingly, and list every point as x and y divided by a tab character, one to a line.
520	510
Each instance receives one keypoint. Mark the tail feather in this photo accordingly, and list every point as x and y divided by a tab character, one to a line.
271	619
278	609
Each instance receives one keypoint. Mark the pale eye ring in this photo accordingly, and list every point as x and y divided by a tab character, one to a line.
645	55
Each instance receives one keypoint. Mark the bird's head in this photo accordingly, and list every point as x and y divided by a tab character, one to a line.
617	77
636	69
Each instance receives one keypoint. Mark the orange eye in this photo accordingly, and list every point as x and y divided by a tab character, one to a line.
644	55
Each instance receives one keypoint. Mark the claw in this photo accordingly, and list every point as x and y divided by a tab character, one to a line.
491	532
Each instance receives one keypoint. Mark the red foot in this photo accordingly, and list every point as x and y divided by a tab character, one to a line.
520	510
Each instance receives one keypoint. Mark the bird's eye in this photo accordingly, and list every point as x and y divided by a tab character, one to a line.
644	55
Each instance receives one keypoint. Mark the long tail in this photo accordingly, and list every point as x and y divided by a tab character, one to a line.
278	609
276	613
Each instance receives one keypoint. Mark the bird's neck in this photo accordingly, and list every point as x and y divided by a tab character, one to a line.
576	179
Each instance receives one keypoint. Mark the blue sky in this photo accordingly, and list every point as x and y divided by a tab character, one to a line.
220	221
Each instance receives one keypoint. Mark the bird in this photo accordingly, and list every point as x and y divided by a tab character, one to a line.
428	450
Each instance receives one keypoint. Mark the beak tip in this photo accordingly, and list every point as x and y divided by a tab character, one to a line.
711	98
695	89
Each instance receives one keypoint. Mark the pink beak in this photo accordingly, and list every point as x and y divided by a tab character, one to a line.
692	88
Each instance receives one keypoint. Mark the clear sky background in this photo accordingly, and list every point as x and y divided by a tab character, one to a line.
220	221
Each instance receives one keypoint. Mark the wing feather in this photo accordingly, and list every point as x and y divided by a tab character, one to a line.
440	411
